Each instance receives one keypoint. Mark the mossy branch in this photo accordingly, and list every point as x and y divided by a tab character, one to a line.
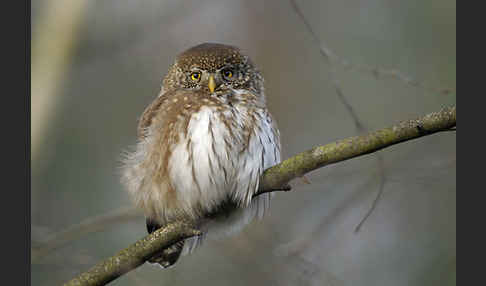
273	179
317	157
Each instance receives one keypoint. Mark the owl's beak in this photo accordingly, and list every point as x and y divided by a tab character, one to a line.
211	83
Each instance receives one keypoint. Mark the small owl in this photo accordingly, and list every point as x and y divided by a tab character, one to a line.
203	144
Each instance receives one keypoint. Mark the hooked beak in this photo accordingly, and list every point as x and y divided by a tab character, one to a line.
211	83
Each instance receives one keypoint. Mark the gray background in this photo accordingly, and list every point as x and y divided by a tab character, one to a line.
119	55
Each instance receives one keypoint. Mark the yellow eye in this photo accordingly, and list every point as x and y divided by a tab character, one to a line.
196	76
227	73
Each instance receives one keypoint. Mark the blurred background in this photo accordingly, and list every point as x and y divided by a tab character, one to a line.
97	64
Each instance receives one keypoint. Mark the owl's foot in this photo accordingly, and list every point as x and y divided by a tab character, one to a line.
168	256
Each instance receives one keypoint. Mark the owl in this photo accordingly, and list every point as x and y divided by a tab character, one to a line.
202	145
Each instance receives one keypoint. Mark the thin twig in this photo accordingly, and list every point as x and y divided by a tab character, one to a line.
360	127
381	169
89	225
377	72
134	255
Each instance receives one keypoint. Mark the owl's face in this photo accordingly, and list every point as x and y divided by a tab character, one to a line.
215	68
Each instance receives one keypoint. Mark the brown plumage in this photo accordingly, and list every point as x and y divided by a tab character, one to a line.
203	144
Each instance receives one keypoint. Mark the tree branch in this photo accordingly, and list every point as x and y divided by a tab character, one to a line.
92	224
273	179
345	149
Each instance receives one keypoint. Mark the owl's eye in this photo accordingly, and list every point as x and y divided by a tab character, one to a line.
196	76
227	74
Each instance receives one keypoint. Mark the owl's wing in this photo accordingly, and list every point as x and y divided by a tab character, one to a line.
150	112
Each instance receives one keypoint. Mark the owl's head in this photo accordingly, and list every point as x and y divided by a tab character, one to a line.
215	68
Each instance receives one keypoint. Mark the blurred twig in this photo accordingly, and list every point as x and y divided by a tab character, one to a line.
273	178
377	72
381	188
360	127
89	225
134	255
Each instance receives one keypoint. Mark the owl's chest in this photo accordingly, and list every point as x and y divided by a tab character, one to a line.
221	155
